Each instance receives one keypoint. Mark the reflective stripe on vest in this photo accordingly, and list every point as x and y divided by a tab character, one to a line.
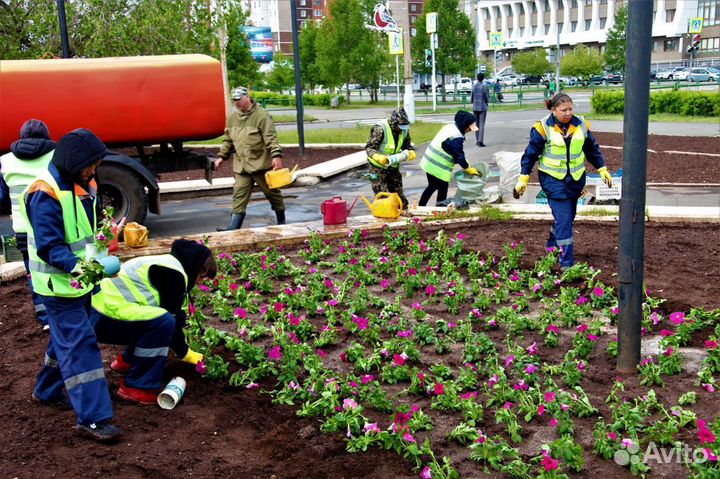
437	161
18	174
388	145
558	159
130	296
79	230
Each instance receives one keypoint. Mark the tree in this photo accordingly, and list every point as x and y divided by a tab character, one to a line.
456	41
28	29
282	76
533	63
309	69
616	43
582	62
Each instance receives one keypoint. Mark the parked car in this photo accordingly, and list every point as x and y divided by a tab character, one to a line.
509	79
701	74
530	79
606	78
667	73
464	85
681	74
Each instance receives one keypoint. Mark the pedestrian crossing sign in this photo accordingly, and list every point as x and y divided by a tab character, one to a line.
395	41
496	39
696	25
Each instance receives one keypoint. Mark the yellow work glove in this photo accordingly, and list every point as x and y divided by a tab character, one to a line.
471	170
411	155
605	175
382	159
521	185
192	357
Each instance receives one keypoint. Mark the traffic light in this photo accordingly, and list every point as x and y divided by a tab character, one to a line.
428	57
694	44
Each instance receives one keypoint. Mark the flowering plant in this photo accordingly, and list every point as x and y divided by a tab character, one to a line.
106	229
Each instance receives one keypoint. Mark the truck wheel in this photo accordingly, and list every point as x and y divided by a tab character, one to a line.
123	190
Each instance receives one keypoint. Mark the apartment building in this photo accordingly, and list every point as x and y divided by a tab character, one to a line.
529	24
277	15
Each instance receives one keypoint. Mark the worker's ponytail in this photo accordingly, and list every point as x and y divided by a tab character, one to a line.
557	99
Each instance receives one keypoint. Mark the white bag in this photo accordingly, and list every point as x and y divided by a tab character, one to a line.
509	164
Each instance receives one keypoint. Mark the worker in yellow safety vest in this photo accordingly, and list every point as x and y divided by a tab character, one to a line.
560	143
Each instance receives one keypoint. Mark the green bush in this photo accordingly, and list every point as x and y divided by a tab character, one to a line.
685	103
323	99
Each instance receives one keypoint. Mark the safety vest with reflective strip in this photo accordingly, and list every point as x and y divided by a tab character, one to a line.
79	232
130	296
388	145
437	161
557	159
19	174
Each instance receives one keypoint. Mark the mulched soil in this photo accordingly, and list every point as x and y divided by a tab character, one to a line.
219	431
661	167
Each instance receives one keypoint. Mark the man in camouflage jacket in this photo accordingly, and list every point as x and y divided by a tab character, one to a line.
251	138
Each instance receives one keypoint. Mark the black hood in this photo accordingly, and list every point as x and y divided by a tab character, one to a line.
76	150
463	119
192	256
31	148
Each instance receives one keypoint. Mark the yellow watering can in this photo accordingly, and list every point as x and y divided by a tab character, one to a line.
385	205
279	178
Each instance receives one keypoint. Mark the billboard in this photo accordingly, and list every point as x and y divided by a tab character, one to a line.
261	43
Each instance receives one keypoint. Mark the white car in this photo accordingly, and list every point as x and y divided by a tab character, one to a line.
681	75
509	79
667	73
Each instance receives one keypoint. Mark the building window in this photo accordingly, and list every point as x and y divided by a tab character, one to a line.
603	1
413	7
573	26
670	45
303	13
587	24
709	10
534	30
669	15
710	44
547	29
603	21
413	31
588	3
534	7
547	5
302	3
574	4
522	31
318	13
510	33
412	19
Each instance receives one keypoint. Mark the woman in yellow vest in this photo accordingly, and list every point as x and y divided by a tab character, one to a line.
560	143
443	153
142	308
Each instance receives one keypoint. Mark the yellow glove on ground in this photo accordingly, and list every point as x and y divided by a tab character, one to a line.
382	159
521	184
605	175
471	170
192	357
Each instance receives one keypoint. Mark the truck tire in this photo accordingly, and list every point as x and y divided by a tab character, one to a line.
123	190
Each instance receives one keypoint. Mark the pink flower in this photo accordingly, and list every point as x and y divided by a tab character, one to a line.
582	328
548	462
349	403
275	353
295	320
711	344
532	350
426	474
430	289
626	442
541	410
385	283
553	422
493	380
549	396
705	435
536	287
551	328
332	302
708	387
234	286
398	360
366	378
592	337
371	428
240	313
581	366
581	300
405	333
655	318
598	292
321	353
439	389
252	386
615	310
417	306
530	369
278	307
509	360
408	437
362	323
677	318
470	395
666	332
191	308
710	455
201	368
508	405
612	435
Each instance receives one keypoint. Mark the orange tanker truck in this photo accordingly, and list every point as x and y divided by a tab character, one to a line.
143	107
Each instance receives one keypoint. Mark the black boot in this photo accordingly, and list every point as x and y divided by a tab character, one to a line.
280	214
236	221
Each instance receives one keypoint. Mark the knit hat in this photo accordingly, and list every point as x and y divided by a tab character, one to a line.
76	150
192	256
34	129
465	119
239	93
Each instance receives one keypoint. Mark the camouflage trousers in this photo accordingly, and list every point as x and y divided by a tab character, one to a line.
389	181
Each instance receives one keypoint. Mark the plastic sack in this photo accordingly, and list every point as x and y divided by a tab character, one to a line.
470	187
509	164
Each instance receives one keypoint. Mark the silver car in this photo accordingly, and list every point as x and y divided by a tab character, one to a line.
702	74
681	75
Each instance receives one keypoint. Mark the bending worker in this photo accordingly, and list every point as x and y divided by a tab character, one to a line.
250	138
444	152
60	209
389	144
560	143
28	158
142	308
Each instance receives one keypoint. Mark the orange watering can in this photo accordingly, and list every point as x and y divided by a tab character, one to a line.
385	205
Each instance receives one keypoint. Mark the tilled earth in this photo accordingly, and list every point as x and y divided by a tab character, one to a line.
220	431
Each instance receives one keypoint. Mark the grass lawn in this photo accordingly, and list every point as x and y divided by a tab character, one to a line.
290	118
658	117
420	133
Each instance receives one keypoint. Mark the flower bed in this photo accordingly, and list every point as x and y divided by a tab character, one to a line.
461	361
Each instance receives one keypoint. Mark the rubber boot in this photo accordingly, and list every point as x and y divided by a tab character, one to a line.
280	214
236	221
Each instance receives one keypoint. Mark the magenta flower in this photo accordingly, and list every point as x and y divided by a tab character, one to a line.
532	350
430	289
612	435
405	333
582	328
100	237
278	307
509	360
439	389
494	379
530	369
366	378
76	284
328	283
362	323
541	410
705	435
709	455
240	313
417	306
708	387
548	462
385	283
295	320
514	276
536	287
201	368
615	310
581	300
398	360
408	437
191	309
551	328
666	332
592	337
202	287
234	286
655	318
598	292
371	428
349	403
677	318
627	442
252	386
275	353
508	405
549	396
470	395
711	344
426	473
412	272
554	422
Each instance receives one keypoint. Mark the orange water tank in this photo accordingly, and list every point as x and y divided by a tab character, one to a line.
126	101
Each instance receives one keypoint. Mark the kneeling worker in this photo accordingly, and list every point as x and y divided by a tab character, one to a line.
142	308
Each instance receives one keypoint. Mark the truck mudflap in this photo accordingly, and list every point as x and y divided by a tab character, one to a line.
129	186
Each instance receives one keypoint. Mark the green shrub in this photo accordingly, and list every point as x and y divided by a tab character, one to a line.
685	103
323	99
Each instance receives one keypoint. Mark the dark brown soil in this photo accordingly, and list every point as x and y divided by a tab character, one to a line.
661	167
219	431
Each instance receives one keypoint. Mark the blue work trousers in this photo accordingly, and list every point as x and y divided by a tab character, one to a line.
39	306
147	341
73	360
561	232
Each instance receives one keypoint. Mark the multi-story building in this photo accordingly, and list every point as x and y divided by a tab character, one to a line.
529	24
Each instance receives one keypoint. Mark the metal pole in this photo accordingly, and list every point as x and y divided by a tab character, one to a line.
63	29
298	79
409	97
397	79
632	204
433	80
557	63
